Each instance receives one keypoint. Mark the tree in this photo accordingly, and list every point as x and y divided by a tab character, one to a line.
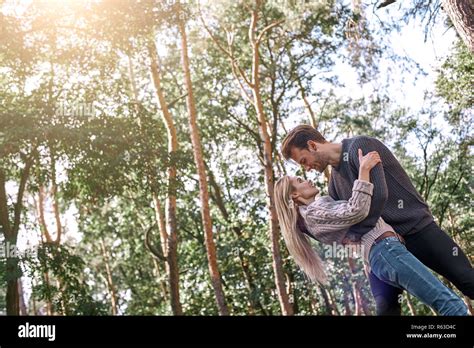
256	100
169	237
203	185
461	13
10	227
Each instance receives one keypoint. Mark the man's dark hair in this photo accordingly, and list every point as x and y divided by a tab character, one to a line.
298	137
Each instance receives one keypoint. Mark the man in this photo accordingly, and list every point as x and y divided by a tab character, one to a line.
395	199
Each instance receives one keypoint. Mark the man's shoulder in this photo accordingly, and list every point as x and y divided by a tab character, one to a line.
361	141
362	138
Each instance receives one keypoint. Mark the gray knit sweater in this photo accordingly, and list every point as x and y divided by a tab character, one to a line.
328	220
395	199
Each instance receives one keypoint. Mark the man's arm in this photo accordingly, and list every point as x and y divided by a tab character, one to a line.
377	177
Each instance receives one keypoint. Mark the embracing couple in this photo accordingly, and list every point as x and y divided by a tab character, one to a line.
373	202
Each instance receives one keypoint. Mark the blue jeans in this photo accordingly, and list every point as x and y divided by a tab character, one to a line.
392	263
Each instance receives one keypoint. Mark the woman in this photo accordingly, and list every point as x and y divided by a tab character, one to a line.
301	211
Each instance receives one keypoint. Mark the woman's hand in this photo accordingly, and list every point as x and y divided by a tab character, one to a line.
366	163
347	240
370	160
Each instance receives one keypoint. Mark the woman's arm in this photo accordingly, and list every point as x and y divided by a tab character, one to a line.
328	220
325	217
377	177
342	214
367	162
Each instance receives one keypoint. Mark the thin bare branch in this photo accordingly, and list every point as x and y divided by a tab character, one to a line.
267	28
236	69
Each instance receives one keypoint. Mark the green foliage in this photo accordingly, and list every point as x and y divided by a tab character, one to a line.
71	295
454	84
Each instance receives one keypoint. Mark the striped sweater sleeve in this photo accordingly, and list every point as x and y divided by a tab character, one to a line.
329	220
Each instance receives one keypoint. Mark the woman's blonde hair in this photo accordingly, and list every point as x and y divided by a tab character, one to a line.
296	241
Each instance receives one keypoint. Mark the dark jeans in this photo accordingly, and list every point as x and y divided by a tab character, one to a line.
436	250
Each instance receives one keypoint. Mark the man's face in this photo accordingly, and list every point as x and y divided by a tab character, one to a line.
310	158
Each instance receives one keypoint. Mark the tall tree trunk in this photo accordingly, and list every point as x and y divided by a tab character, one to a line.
159	217
268	161
110	280
356	288
23	309
13	297
33	301
49	304
203	187
164	290
256	100
42	194
10	232
46	238
54	196
171	247
161	221
291	290
40	214
461	13
357	301
164	243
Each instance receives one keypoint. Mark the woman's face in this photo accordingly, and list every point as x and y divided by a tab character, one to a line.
303	189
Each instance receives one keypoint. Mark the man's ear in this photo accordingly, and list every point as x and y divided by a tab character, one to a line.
312	145
295	195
